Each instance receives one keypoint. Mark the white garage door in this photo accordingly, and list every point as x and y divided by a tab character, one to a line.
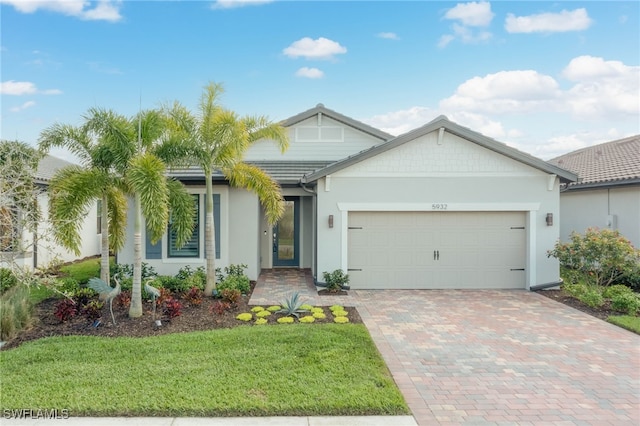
436	250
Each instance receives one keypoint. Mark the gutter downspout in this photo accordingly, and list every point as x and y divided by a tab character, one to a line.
546	285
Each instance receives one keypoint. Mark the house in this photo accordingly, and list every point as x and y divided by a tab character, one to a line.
438	207
38	250
607	193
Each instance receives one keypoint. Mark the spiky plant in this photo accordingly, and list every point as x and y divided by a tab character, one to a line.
292	306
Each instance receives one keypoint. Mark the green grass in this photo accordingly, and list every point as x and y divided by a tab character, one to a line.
38	293
629	322
245	371
82	271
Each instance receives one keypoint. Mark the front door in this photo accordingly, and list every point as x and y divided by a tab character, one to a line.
286	235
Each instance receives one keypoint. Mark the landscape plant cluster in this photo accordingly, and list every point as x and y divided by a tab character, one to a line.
601	267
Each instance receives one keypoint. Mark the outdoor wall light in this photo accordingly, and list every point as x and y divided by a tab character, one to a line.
330	221
549	219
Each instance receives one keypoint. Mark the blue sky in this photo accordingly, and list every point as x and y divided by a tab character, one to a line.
544	77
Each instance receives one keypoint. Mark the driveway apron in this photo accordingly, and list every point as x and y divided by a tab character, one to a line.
492	357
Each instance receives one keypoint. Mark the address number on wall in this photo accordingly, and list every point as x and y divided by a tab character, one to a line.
439	206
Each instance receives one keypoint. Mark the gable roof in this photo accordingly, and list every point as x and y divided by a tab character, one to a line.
48	166
608	164
321	109
455	129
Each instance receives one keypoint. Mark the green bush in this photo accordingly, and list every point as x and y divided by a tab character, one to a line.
592	297
604	256
616	290
335	280
7	280
15	311
626	302
235	282
68	285
174	284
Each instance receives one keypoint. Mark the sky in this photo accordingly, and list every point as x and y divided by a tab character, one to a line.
544	77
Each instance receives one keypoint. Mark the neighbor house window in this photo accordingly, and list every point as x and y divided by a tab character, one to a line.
192	247
99	216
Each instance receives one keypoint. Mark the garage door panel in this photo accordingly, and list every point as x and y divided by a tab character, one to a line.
437	249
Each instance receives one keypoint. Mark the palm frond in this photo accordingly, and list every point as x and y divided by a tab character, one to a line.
117	207
182	211
69	137
259	182
260	128
147	179
114	132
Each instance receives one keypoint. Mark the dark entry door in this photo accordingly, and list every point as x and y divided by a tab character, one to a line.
286	235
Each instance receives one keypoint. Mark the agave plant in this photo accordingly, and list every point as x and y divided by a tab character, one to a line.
292	306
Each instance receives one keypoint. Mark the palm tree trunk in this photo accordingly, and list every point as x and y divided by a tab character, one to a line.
104	240
135	309
210	238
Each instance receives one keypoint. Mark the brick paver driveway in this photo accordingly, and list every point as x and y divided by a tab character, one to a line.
503	357
491	357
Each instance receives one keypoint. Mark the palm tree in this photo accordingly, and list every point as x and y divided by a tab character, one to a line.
219	139
74	189
121	157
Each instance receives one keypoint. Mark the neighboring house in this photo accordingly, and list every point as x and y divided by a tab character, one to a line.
607	193
39	250
438	207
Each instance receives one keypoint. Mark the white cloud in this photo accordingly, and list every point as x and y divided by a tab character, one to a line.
603	88
104	68
399	122
469	17
232	4
24	106
105	10
390	36
18	88
576	20
309	73
504	92
473	14
321	48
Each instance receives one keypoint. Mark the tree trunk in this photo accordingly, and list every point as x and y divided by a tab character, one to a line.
135	309
104	240
210	238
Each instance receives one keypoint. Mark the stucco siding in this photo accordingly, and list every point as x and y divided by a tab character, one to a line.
244	211
614	208
313	140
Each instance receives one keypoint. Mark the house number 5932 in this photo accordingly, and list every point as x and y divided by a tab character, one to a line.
438	206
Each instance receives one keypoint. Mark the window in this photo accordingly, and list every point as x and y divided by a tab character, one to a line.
99	216
192	247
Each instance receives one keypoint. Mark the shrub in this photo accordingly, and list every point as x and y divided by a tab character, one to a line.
263	314
307	319
123	300
172	308
285	320
317	310
192	278
602	255
592	297
68	285
616	290
274	308
319	315
257	309
626	302
336	308
220	307
341	320
93	310
65	310
165	295
246	316
83	296
15	311
175	284
260	321
335	280
231	295
235	282
8	280
194	296
338	313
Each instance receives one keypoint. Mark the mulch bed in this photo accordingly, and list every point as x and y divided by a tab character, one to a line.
193	318
603	312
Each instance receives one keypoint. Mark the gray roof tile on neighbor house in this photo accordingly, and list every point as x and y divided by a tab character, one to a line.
607	164
284	172
48	166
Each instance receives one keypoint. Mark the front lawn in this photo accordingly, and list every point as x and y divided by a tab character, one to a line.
290	370
631	323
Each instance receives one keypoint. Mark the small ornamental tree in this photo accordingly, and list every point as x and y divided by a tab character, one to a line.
603	255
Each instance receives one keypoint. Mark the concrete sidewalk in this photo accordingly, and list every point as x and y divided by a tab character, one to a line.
222	421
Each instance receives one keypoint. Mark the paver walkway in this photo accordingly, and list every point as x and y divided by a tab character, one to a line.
490	357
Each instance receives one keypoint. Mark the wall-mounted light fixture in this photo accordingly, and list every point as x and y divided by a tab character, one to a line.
549	219
330	221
